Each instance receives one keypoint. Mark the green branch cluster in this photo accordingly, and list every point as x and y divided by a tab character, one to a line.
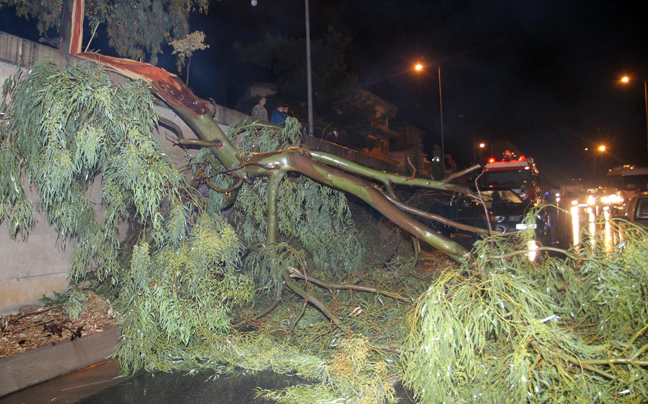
69	130
558	329
498	328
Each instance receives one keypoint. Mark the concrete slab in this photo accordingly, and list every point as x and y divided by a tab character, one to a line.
20	371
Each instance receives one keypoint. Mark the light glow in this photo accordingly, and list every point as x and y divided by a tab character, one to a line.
533	253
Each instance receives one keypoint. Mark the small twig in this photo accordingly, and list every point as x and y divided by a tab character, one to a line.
461	173
301	314
312	299
344	286
91	36
635	338
34	313
258	316
413	170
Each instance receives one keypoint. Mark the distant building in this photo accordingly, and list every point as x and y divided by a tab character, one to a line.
403	141
409	144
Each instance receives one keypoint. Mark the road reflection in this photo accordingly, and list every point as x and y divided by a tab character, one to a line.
599	227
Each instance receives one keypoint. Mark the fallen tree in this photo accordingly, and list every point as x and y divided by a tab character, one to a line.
323	167
197	291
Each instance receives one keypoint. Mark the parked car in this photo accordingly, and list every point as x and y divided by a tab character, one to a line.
506	214
637	208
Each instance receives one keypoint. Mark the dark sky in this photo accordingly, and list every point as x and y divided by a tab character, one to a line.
542	74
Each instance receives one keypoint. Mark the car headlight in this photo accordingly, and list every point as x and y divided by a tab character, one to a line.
591	200
498	219
614	198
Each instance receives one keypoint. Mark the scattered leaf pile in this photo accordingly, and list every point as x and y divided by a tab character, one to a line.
37	326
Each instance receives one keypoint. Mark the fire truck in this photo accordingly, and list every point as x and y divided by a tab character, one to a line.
519	174
627	180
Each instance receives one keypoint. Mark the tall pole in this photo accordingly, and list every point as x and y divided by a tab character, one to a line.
627	79
646	102
309	80
441	114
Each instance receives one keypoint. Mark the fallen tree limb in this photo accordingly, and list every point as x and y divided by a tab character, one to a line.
342	286
292	285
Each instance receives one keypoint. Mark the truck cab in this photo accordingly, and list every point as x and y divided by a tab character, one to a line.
519	174
626	180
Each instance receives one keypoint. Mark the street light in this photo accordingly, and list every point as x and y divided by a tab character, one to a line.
482	146
309	75
600	149
419	67
474	139
625	80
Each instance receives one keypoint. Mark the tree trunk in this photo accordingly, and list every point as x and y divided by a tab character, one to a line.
322	167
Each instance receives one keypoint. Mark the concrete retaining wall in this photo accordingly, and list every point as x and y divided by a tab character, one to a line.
30	368
38	266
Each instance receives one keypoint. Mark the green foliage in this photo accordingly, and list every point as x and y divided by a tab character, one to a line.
66	130
498	329
180	295
355	374
182	282
48	12
57	299
136	29
561	329
316	216
186	46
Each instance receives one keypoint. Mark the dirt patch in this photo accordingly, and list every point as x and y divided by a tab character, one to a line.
39	326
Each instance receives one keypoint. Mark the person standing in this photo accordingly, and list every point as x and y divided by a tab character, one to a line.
279	116
259	111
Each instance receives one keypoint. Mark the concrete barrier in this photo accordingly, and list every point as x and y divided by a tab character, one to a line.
27	369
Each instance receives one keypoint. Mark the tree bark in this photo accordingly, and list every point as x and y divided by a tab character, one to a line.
322	167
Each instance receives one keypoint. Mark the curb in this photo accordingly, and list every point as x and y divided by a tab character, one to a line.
27	369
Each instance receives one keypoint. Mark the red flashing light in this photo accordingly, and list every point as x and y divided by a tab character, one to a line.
522	158
491	160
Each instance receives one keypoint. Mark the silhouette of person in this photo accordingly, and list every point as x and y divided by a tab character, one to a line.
259	111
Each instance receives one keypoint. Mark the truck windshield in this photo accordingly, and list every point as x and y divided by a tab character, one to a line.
507	179
627	182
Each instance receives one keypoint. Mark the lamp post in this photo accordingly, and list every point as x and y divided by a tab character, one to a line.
474	133
600	149
626	79
309	77
419	67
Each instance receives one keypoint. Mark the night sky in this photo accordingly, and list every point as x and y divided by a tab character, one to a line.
543	75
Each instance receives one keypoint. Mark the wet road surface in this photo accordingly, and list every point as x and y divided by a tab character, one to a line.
100	385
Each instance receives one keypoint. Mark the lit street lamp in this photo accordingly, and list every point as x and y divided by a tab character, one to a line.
626	79
419	67
482	146
600	149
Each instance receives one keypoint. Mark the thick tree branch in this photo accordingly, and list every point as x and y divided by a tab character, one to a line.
196	114
345	286
386	178
292	285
